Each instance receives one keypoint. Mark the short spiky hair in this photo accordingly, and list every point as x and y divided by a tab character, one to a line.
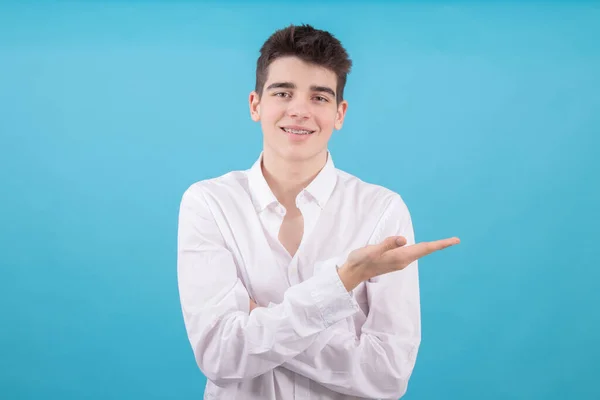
310	45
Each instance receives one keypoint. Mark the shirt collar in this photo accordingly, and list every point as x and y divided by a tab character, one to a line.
320	188
262	196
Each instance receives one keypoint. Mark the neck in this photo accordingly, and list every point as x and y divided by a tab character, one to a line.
287	178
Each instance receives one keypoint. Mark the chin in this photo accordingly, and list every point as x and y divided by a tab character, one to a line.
299	153
293	154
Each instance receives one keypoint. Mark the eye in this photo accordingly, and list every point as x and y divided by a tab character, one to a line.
281	94
321	99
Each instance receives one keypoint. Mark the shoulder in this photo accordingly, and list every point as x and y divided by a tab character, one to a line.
378	207
370	195
230	185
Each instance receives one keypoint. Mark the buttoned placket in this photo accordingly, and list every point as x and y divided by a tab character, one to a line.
310	213
273	220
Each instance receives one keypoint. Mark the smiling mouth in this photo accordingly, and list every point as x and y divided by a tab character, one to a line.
298	131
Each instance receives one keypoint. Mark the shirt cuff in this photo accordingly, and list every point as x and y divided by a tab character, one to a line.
333	300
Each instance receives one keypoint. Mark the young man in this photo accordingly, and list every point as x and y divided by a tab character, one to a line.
298	280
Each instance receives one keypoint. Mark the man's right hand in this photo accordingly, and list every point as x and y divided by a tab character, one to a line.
388	256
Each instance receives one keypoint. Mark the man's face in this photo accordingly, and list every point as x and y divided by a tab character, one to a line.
297	109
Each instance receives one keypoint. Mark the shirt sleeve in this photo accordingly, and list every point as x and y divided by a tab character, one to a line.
379	363
228	343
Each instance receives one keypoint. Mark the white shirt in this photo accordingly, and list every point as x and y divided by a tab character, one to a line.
310	339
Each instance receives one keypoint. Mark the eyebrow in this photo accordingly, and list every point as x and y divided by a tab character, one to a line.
290	85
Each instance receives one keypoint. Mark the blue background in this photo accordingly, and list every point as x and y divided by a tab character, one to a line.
484	117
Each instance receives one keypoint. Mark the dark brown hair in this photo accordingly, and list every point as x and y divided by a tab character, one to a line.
310	45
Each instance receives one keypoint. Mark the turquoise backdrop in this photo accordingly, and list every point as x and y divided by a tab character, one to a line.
484	116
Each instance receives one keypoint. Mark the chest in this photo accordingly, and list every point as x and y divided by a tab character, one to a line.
274	251
291	232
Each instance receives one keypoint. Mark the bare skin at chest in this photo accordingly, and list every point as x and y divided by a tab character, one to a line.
291	231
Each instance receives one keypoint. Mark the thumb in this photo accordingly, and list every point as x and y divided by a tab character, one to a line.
391	243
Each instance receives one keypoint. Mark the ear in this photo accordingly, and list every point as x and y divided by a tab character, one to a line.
340	114
254	103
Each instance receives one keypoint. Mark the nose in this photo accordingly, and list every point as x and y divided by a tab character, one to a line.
298	109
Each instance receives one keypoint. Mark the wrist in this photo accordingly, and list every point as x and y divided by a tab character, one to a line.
351	276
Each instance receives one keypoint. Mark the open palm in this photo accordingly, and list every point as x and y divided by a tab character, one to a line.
393	254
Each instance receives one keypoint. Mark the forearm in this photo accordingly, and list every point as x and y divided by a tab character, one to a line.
372	366
230	344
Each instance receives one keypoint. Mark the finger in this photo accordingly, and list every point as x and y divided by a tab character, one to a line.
400	241
423	249
442	244
391	243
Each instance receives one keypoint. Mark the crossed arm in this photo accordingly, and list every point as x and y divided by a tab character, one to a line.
231	344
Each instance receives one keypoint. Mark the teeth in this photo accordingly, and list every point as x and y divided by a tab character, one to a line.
297	132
